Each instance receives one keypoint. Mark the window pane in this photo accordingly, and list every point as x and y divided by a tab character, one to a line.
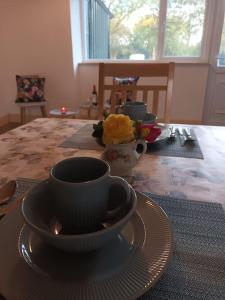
221	58
133	28
184	28
97	18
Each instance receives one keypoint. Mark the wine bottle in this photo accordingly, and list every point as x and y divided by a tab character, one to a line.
94	96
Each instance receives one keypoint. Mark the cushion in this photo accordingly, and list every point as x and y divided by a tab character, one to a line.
30	88
124	81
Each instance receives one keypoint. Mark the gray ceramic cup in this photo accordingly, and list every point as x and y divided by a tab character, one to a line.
79	188
135	110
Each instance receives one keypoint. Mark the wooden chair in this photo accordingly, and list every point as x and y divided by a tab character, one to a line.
148	70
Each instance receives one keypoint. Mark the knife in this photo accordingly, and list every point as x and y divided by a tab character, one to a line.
182	137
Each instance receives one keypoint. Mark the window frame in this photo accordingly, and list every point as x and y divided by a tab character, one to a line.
216	37
210	10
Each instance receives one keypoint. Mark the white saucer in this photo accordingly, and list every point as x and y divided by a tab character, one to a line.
124	269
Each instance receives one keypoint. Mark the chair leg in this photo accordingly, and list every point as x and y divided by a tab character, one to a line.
22	115
44	111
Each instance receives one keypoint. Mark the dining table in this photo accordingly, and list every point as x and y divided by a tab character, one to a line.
30	151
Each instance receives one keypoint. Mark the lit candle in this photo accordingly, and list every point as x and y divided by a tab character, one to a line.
63	109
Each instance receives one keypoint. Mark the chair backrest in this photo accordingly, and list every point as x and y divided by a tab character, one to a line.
148	70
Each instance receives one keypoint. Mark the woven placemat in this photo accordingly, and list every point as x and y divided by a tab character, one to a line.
172	147
198	264
197	270
83	139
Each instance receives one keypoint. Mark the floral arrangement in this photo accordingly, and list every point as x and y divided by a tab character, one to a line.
120	129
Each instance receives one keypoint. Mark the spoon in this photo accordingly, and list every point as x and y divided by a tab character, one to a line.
55	226
7	191
6	209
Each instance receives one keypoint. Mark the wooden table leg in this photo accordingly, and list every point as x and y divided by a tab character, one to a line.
22	115
44	111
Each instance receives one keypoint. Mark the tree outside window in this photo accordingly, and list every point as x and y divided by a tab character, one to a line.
136	27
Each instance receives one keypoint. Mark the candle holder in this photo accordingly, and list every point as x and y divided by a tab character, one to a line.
63	110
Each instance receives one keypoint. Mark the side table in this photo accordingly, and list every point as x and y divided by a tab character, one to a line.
89	111
58	114
27	105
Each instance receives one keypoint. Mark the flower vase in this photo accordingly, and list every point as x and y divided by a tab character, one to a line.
123	157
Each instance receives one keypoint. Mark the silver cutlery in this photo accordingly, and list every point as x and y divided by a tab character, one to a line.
7	191
172	132
6	209
187	132
182	137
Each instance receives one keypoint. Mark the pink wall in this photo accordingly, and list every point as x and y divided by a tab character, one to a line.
35	38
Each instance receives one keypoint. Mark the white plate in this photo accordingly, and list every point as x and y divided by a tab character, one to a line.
124	269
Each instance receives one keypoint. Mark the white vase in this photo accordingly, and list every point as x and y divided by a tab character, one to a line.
123	157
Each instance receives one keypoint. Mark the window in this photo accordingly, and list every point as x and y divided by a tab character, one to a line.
146	29
184	28
96	23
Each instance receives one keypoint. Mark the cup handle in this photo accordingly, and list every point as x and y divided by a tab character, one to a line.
123	183
144	144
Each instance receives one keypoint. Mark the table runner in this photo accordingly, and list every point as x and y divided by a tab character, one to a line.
83	139
198	264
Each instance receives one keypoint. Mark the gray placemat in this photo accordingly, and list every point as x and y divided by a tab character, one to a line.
83	139
197	270
172	147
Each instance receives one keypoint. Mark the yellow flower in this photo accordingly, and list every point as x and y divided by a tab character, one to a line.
118	129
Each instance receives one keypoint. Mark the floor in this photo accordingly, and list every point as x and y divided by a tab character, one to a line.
8	127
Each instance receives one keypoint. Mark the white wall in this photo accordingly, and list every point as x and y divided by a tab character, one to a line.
35	38
189	91
188	94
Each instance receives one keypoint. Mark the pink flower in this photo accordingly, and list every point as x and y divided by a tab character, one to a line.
149	132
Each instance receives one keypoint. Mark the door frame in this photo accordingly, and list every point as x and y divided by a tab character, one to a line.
209	107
